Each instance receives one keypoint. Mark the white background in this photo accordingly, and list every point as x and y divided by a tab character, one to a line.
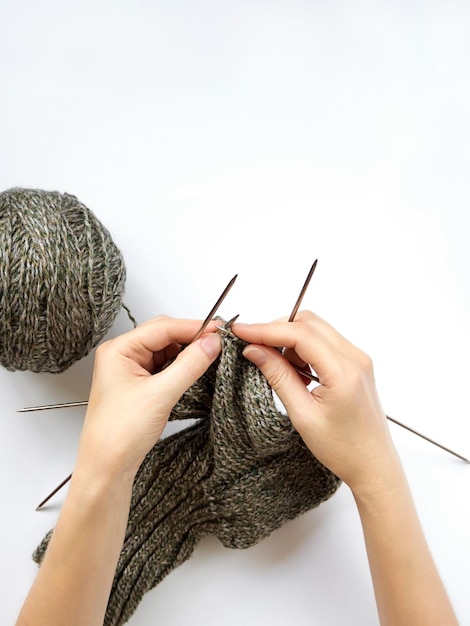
217	137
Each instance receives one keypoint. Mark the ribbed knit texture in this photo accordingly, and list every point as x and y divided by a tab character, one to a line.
239	472
61	280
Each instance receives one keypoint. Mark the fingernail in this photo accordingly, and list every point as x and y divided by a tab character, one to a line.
211	344
255	355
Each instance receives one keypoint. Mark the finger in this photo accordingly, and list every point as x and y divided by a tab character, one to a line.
156	335
307	377
317	324
283	379
312	347
293	357
330	334
161	358
299	364
189	365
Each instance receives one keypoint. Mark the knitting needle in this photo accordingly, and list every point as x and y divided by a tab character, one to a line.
312	377
315	378
227	327
427	438
66	405
300	298
83	403
302	291
214	308
46	407
58	488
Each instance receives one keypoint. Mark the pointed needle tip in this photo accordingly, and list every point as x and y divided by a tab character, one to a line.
439	445
214	308
302	291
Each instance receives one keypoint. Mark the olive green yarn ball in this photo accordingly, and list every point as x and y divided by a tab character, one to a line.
61	280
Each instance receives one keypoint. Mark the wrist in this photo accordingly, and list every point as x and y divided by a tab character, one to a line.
96	477
387	479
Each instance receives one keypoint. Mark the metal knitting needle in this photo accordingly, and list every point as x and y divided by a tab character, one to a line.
46	407
58	488
227	327
315	378
214	308
68	404
306	374
302	291
300	298
427	438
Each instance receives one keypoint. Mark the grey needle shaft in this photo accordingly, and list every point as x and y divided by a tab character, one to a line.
427	438
66	405
47	407
315	378
415	432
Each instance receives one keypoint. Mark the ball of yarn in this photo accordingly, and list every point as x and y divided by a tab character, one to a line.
61	280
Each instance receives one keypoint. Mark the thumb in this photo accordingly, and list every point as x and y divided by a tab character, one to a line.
189	365
282	378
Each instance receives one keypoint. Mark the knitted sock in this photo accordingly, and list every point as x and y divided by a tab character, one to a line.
246	472
264	475
169	514
240	472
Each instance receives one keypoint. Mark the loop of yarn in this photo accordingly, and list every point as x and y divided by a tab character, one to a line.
61	280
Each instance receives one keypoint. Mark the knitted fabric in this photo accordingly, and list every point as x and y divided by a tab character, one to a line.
61	280
239	472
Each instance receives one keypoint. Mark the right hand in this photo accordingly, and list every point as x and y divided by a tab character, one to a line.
341	420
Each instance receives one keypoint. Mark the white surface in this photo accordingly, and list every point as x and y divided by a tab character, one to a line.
219	137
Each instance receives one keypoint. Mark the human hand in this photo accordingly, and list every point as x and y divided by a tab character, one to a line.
131	396
341	420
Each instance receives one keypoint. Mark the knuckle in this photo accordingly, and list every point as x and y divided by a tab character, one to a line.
368	364
159	318
303	325
305	316
359	374
276	377
355	378
104	349
365	362
162	317
304	331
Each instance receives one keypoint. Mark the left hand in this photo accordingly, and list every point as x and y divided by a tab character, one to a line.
131	397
